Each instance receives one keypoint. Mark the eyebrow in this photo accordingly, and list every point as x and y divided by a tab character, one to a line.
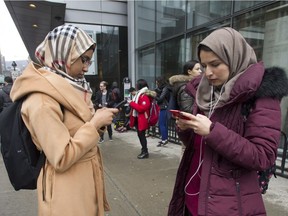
85	56
213	61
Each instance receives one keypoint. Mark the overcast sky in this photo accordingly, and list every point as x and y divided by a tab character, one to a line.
11	44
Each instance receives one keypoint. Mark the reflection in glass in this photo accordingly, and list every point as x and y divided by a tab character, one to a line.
108	49
170	57
146	66
200	12
170	18
193	39
266	31
144	22
240	5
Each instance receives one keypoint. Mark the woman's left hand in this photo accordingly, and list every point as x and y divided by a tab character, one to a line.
199	123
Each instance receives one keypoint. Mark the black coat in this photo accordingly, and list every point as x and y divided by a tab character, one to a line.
98	100
163	96
5	99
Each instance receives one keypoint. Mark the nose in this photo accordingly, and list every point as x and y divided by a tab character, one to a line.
85	68
208	71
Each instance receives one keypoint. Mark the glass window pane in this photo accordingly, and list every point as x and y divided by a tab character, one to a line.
240	5
170	18
200	12
266	31
144	22
146	66
195	38
170	57
109	52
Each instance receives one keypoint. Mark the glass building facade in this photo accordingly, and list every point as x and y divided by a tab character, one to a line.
168	32
109	61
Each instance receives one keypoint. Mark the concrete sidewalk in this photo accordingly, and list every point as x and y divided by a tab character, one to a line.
145	186
134	187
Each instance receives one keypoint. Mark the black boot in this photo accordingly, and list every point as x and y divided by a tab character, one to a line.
142	151
143	155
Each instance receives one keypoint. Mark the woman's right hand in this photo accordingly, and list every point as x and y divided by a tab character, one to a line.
199	123
103	117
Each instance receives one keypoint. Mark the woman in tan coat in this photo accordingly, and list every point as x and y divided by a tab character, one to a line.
61	119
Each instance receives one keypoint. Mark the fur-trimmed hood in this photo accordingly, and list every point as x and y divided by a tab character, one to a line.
179	78
274	84
177	81
255	83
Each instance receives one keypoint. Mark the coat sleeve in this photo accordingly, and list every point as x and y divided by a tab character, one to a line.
110	102
184	100
161	98
143	105
62	149
1	101
257	149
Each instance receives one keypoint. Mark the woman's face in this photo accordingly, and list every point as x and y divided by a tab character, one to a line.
196	70
216	71
81	65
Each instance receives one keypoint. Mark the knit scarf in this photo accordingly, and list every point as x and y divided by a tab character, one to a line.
136	99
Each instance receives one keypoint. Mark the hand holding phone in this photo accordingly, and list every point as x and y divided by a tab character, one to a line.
177	113
122	103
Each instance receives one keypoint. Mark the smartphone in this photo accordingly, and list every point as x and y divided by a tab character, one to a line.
122	103
177	113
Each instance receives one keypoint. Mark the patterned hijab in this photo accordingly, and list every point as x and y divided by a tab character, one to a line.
231	47
61	48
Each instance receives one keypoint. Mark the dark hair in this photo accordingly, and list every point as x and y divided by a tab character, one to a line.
204	48
141	83
131	89
161	81
189	66
104	83
8	79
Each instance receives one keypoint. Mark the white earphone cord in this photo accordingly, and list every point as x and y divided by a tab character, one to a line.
197	171
211	110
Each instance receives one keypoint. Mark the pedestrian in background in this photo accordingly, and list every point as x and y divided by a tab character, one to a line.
116	94
127	111
5	99
140	105
59	114
182	100
162	97
104	99
218	171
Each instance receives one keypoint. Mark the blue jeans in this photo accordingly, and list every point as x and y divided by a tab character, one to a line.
163	127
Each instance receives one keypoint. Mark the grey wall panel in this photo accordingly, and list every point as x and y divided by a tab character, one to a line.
88	17
97	12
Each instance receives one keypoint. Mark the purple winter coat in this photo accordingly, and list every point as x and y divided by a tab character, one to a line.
235	149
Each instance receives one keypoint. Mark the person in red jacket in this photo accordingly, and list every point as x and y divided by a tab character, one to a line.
225	149
140	105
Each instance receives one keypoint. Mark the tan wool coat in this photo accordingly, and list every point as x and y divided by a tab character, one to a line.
72	181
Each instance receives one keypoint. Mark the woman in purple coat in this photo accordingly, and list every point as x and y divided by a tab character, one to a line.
224	148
